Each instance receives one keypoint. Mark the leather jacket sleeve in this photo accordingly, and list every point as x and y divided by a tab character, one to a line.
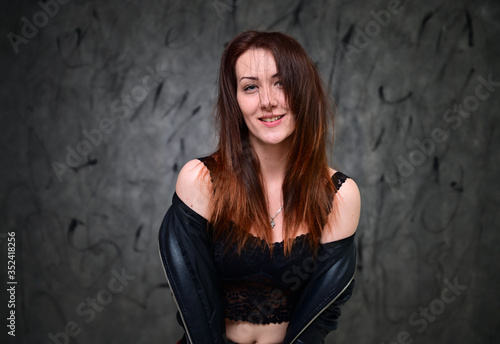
185	250
317	331
330	286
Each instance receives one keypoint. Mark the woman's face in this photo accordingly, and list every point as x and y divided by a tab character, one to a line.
261	98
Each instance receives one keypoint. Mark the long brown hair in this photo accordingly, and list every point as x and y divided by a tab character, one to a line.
239	201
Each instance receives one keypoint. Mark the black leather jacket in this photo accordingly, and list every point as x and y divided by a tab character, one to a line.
186	252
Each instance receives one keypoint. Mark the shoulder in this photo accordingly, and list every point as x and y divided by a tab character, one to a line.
194	187
346	208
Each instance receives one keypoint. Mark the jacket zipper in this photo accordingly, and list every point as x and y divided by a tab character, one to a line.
321	311
175	300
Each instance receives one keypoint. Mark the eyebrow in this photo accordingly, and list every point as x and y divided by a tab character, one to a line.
255	78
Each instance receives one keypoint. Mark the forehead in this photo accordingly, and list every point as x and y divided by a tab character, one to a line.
254	62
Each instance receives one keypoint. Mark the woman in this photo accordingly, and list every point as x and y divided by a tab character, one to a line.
258	244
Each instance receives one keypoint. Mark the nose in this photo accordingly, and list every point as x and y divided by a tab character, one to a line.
268	100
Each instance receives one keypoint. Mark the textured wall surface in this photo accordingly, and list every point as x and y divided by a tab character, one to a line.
104	101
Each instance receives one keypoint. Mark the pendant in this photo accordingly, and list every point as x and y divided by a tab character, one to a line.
272	224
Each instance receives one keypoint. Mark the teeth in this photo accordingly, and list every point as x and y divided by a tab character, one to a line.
271	119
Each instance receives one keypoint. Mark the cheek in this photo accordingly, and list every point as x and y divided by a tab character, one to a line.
247	105
281	99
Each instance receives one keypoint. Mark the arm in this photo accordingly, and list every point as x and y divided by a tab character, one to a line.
194	187
185	249
344	217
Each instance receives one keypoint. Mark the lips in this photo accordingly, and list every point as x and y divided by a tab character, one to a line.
271	119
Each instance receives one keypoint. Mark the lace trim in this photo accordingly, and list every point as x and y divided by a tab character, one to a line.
279	244
257	302
338	179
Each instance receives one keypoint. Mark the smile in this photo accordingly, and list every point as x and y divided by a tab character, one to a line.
271	119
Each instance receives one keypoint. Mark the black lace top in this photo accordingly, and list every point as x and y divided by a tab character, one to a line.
260	288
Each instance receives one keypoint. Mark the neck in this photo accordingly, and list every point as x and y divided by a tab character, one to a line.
272	159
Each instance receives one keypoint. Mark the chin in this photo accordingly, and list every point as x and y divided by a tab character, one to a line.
275	140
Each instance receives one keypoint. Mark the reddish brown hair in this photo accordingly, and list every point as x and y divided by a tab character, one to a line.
238	199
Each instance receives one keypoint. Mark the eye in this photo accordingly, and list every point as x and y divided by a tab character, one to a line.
278	83
249	88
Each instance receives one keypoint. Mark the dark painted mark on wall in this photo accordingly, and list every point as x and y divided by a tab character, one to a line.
195	110
79	35
435	168
455	186
89	162
137	237
422	26
69	45
347	37
400	100
296	13
379	139
470	28
72	225
177	104
157	95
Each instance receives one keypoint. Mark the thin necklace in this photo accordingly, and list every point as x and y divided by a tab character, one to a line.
272	217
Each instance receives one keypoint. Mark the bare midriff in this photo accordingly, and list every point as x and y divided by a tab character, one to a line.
243	332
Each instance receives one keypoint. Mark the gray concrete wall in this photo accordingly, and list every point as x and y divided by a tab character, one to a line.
91	146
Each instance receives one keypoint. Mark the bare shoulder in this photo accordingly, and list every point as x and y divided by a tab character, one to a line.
346	208
194	187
